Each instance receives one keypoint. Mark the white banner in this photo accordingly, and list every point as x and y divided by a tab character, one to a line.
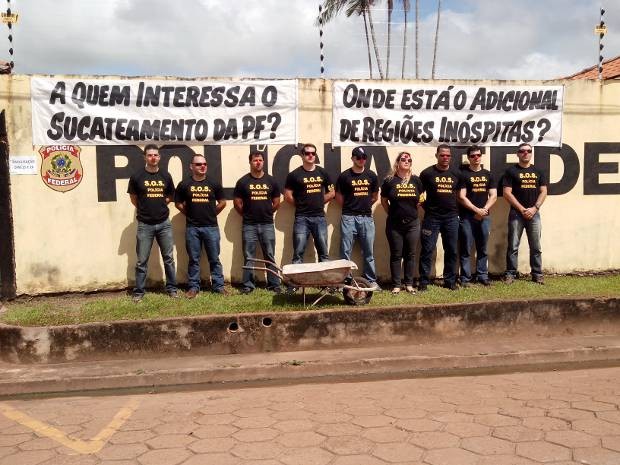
124	111
373	113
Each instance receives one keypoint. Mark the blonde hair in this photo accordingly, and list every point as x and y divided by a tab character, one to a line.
394	168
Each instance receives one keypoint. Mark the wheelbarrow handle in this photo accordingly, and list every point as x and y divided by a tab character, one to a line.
263	261
264	268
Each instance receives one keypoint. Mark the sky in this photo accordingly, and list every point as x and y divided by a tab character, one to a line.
478	39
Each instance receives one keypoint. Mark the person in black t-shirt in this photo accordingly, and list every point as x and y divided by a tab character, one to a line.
201	199
309	188
525	189
477	194
400	197
357	189
440	217
257	197
150	191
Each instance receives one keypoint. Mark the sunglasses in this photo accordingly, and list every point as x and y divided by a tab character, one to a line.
199	164
525	151
362	156
474	155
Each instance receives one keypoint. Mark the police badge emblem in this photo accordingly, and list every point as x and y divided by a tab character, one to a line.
61	168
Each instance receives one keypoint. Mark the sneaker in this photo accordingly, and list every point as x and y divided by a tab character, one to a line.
173	294
275	290
465	284
291	290
451	286
221	291
396	290
375	287
246	290
422	287
485	282
509	279
137	298
538	279
191	294
410	289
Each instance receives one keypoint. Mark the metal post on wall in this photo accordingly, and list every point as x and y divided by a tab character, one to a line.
600	29
321	40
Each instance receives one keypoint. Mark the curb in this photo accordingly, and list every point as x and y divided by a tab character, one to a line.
447	359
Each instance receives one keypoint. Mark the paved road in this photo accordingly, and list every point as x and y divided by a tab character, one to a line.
559	418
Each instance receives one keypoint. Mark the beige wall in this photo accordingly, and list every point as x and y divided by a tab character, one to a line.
71	241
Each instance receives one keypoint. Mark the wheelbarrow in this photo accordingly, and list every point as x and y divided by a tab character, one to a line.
329	277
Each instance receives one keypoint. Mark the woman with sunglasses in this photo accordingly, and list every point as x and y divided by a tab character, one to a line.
400	196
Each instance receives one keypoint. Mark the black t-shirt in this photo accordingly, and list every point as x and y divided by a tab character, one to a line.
404	198
477	185
525	183
200	199
357	190
309	188
152	190
441	191
257	195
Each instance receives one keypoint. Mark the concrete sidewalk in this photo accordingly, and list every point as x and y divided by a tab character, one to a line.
510	353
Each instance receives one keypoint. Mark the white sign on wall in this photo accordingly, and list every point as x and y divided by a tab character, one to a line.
373	113
23	164
122	111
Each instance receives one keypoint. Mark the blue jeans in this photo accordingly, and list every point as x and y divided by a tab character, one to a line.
265	235
533	229
162	232
473	231
305	226
195	238
363	229
431	228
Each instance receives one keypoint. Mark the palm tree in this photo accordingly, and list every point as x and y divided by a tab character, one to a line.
405	9
417	50
332	8
436	38
390	7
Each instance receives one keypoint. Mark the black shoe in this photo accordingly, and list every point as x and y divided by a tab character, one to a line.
173	294
291	290
485	282
137	298
422	287
451	286
275	290
538	279
246	290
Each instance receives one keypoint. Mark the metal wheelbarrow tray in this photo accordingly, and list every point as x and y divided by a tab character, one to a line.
330	277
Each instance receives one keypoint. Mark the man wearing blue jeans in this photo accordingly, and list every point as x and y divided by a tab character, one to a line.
150	191
309	188
477	195
357	189
525	189
201	199
256	199
440	217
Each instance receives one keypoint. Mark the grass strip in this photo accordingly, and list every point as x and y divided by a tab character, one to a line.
78	309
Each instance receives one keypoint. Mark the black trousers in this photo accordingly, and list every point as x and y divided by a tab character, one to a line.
403	239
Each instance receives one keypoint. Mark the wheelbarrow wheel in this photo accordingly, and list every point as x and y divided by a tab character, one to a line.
353	297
